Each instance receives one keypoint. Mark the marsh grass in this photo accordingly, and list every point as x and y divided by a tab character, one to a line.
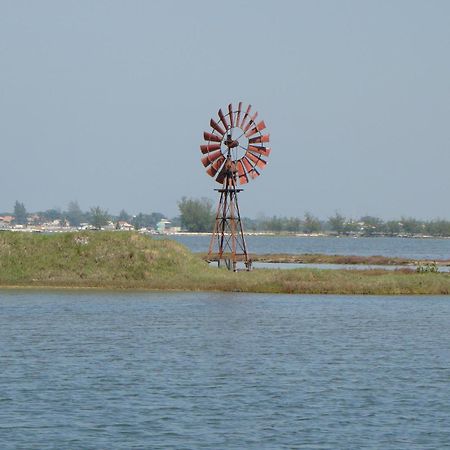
123	260
320	258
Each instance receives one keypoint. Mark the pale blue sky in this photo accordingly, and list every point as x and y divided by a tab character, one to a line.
105	102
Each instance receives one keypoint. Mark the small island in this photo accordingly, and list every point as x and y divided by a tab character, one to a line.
129	260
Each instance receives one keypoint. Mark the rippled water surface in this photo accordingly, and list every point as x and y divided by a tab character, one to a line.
201	370
425	248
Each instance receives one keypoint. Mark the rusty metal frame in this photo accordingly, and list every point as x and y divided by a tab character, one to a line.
227	241
221	160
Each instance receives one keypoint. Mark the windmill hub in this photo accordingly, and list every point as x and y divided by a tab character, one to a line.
234	153
230	143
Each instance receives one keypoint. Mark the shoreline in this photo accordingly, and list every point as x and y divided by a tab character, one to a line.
273	281
131	290
322	258
59	230
132	262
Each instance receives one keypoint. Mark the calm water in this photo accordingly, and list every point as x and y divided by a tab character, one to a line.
218	371
401	247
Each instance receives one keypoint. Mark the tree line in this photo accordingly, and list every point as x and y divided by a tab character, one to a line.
96	216
344	226
198	214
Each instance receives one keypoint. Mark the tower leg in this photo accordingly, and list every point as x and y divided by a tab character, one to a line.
227	240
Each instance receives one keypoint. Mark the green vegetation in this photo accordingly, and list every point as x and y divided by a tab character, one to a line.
143	220
74	217
196	215
427	267
98	217
74	214
107	259
124	260
320	258
20	213
311	224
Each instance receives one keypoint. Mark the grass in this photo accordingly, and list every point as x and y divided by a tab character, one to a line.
123	260
320	258
92	258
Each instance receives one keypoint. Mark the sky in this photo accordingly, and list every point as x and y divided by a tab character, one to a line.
105	103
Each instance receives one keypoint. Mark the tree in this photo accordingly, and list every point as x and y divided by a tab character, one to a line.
196	214
337	223
74	214
123	216
438	227
250	224
140	221
146	220
175	221
293	224
51	214
272	224
154	218
98	217
411	225
393	227
20	213
351	226
311	224
372	225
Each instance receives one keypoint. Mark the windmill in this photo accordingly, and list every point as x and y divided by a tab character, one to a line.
234	153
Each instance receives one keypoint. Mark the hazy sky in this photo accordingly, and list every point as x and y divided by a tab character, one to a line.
105	102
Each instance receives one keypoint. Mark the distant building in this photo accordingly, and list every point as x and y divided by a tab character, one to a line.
161	226
109	226
124	225
33	219
7	220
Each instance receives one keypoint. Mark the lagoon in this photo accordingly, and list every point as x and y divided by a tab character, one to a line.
411	248
220	370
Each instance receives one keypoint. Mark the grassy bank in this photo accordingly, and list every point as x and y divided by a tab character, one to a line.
131	261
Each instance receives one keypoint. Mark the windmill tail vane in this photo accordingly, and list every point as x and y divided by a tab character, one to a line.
234	152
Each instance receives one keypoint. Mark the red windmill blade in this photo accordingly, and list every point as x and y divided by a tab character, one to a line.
230	115
251	122
247	164
211	157
264	151
209	148
238	114
261	125
246	115
215	166
221	176
211	137
254	173
259	139
243	179
223	120
217	127
258	161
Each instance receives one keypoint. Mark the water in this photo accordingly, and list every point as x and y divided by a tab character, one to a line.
426	248
264	265
216	371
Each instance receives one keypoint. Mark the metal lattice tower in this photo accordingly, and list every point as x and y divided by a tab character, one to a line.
233	155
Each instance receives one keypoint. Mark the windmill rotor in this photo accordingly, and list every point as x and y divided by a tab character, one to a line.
237	141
